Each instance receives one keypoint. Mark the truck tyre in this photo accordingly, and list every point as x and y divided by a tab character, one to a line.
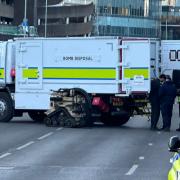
6	107
37	116
109	120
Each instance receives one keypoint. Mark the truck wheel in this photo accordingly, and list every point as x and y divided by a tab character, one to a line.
109	120
37	116
6	107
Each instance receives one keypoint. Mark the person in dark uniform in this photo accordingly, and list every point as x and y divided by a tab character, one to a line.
155	103
178	129
167	94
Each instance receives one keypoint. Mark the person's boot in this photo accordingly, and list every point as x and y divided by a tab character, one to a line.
167	129
178	129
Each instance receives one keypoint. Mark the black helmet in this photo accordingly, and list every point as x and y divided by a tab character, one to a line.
174	143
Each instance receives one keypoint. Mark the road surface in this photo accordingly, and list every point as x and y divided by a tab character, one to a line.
31	151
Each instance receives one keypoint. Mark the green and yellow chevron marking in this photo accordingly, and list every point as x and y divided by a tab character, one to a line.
2	73
79	73
129	73
31	73
72	73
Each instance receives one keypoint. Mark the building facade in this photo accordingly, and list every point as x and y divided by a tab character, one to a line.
168	2
66	18
6	11
6	18
19	7
170	20
134	18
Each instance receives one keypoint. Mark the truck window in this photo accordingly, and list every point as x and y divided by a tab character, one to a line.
178	55
172	55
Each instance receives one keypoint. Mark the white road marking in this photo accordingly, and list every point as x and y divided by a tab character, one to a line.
59	129
98	123
150	144
6	168
5	155
45	136
25	145
132	170
141	158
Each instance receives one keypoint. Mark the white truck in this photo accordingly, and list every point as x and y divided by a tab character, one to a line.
170	55
72	78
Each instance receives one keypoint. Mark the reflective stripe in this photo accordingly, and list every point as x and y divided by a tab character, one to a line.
79	73
2	73
131	72
31	73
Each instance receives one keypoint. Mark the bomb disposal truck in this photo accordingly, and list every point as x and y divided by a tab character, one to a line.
170	55
67	80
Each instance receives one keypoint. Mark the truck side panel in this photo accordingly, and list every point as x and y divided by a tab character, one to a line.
29	66
43	65
10	62
92	64
136	66
32	101
155	58
170	56
2	62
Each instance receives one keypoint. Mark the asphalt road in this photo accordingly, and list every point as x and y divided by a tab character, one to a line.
30	151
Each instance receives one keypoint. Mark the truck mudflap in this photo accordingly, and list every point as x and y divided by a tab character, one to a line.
69	108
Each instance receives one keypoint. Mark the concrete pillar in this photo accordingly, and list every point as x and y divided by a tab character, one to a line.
39	22
85	19
67	20
89	18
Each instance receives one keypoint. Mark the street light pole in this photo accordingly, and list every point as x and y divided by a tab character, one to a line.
25	9
45	20
166	30
35	13
25	17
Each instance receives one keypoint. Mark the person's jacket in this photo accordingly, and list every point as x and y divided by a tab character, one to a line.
154	93
167	93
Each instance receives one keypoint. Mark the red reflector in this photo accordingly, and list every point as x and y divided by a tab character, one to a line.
97	101
13	72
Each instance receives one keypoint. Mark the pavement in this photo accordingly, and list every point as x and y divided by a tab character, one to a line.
31	151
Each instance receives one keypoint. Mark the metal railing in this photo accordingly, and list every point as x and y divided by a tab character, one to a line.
18	30
72	2
78	1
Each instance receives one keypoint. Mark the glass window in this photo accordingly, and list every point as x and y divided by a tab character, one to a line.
129	17
178	55
172	55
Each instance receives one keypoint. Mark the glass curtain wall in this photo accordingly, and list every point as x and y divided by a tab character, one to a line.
135	18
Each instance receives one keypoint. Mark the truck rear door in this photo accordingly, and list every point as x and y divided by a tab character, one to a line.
29	65
170	56
136	66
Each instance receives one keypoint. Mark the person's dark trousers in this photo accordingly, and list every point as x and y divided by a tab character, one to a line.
155	113
166	111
